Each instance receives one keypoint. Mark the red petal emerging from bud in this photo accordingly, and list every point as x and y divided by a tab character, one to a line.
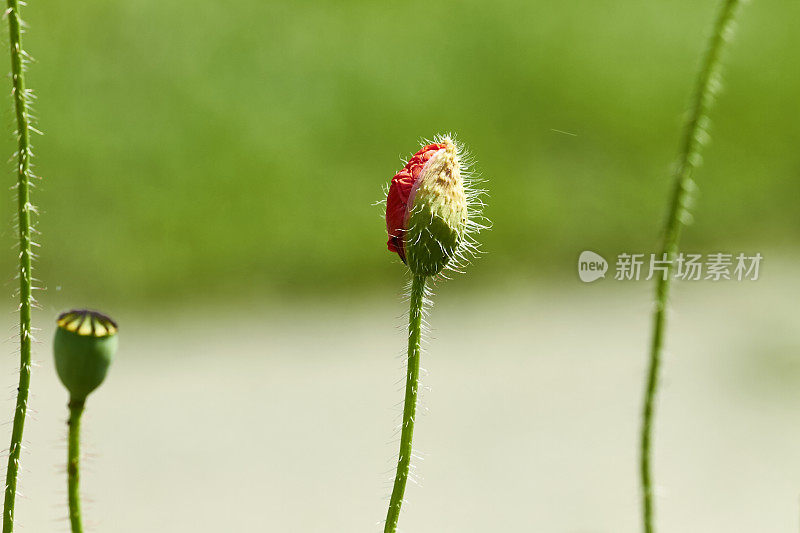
399	192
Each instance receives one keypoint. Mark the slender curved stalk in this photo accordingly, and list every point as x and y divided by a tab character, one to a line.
24	207
73	465
410	405
694	135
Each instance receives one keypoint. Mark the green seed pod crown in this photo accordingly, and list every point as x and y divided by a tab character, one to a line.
84	344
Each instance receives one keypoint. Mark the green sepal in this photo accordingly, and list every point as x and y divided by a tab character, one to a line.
435	230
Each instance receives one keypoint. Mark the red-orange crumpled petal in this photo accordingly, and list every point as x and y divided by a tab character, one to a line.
399	191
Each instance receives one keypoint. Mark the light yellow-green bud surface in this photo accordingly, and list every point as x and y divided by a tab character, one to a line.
437	216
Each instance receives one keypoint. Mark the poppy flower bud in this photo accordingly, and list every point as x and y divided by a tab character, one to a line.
427	208
84	344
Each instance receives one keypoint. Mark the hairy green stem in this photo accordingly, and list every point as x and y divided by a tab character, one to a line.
410	404
73	464
694	136
24	207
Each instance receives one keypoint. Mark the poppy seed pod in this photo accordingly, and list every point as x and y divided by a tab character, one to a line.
428	215
84	344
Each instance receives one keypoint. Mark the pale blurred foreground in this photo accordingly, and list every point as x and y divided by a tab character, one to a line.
281	419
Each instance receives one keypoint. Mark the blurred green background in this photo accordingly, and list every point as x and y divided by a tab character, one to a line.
198	154
238	149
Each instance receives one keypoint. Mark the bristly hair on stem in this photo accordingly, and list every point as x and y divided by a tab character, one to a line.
433	212
695	135
22	98
73	464
415	314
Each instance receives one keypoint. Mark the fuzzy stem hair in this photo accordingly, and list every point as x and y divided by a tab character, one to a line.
73	465
694	136
21	98
416	308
